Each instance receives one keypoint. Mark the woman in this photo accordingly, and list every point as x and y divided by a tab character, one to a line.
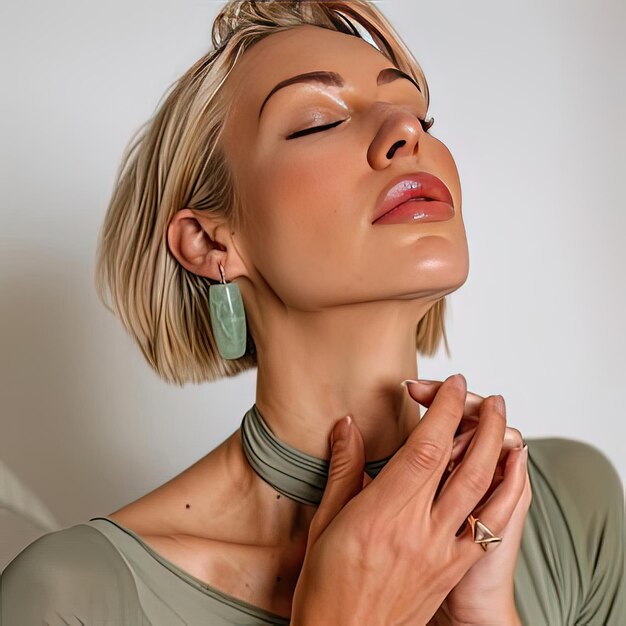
275	187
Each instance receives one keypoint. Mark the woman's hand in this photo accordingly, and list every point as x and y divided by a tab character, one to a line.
485	593
389	554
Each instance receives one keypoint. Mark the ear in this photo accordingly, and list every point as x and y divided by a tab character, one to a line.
200	243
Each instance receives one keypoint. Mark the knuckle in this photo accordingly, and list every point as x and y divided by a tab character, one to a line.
476	480
426	455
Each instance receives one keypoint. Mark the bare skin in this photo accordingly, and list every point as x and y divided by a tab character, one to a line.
238	534
332	300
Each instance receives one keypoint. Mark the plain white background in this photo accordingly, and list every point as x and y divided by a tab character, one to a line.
529	98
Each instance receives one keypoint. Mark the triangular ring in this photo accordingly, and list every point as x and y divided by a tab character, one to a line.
482	534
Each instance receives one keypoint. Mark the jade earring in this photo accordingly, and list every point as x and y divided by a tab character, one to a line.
228	318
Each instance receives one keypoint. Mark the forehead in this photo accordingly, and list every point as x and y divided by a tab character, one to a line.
304	48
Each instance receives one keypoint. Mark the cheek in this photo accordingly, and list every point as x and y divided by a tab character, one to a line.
307	222
310	185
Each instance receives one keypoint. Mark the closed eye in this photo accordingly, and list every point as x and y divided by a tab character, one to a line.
316	129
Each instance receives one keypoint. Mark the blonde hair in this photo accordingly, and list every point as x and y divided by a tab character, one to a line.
175	161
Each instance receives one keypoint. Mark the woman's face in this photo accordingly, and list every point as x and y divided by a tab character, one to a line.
309	201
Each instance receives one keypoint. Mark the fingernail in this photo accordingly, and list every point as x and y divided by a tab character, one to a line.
423	381
499	402
523	453
458	380
408	382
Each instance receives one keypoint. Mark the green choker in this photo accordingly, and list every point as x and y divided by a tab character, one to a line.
295	474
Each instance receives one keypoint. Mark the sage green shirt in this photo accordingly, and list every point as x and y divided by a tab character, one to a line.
570	569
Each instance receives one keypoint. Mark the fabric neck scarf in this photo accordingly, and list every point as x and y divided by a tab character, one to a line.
295	474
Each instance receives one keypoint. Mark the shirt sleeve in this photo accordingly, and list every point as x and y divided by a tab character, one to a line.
571	570
598	501
74	577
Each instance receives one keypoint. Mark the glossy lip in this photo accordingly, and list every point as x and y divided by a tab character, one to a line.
414	185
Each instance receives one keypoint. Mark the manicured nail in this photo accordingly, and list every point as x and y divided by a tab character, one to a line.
408	382
423	381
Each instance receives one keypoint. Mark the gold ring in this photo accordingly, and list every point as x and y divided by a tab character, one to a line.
482	535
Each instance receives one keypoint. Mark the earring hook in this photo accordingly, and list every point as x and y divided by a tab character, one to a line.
223	278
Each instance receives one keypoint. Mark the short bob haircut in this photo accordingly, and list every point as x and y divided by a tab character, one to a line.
175	160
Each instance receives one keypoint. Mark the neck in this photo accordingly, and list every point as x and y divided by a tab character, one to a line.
316	367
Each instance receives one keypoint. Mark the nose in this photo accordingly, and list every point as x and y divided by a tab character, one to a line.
398	135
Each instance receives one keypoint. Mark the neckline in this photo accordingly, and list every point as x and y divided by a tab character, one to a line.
292	472
197	583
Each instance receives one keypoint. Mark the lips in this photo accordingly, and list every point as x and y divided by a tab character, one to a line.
409	186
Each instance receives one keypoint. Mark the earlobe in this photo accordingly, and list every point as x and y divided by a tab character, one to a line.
190	242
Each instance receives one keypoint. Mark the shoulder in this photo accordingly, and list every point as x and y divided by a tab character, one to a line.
574	480
564	453
75	573
574	466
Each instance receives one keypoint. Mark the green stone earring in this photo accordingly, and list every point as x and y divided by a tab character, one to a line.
228	318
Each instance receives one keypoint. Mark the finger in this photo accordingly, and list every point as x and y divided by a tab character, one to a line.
512	439
420	461
498	475
498	509
468	484
460	443
345	477
424	392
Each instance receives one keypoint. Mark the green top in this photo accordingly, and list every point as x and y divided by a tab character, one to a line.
570	570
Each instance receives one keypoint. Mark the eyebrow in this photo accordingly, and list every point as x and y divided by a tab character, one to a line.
386	75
